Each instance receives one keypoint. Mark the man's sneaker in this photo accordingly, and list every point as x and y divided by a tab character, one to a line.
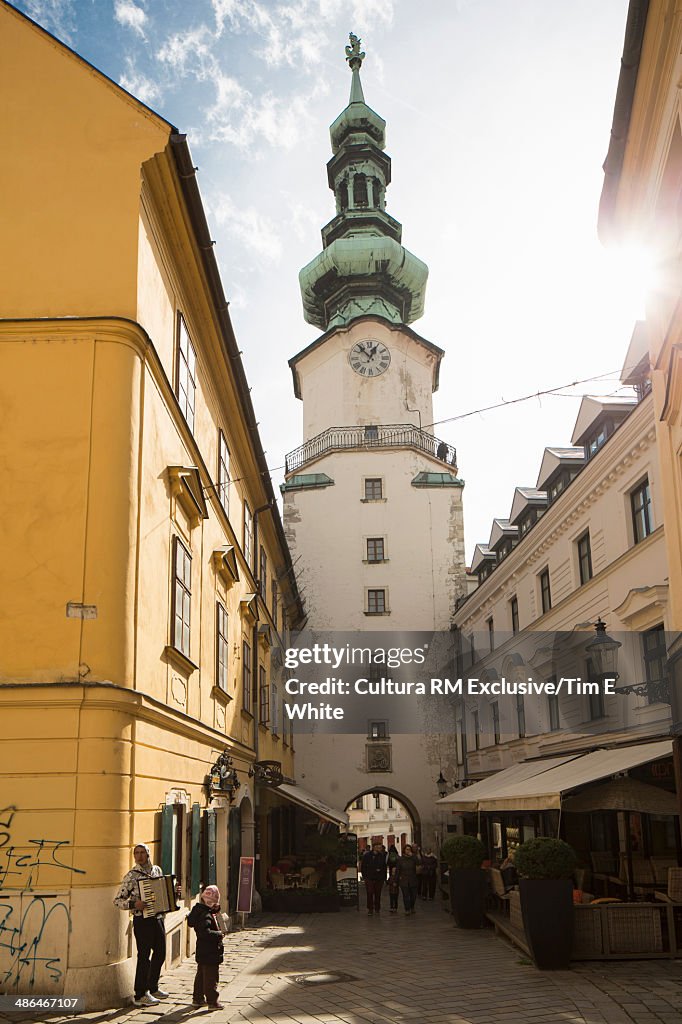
160	994
216	1006
145	1000
197	1005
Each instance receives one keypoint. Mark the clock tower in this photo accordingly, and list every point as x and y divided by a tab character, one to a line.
372	498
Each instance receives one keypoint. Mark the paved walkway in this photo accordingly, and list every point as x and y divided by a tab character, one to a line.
402	969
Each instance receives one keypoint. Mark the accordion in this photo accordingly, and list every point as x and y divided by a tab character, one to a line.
158	894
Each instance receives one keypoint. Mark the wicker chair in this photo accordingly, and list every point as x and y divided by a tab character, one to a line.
660	866
277	880
674	892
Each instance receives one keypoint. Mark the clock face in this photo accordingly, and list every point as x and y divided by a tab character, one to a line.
369	358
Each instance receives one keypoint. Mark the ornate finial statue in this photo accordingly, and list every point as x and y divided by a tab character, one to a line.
353	54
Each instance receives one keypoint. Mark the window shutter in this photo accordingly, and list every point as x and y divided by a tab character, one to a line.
195	850
210	875
167	813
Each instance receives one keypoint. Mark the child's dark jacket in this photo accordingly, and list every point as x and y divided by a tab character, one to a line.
209	937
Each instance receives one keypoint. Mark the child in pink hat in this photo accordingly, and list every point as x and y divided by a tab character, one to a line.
203	917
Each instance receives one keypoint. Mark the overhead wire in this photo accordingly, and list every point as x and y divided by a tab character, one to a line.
610	374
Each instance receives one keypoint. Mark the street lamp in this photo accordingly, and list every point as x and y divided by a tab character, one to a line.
442	784
603	650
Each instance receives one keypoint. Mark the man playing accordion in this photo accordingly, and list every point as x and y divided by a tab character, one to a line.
150	932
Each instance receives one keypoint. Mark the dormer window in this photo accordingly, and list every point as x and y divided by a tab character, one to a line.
594	443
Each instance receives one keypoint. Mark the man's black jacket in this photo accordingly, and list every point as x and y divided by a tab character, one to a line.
373	867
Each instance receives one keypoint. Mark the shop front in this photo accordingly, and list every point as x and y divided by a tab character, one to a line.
301	850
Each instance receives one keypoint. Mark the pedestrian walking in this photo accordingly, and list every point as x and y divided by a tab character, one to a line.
373	868
407	879
203	917
149	932
393	887
430	875
418	856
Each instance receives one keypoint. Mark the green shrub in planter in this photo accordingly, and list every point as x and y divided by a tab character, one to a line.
463	852
464	855
545	867
545	858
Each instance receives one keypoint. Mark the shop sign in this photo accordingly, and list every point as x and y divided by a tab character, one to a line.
245	890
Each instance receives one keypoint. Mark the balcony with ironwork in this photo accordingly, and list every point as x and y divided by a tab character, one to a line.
373	437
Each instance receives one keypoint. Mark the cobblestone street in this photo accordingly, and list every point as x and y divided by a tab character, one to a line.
400	969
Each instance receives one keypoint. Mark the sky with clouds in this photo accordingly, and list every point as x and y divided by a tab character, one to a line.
498	117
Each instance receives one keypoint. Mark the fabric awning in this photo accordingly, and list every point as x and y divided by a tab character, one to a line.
624	795
544	791
312	803
468	799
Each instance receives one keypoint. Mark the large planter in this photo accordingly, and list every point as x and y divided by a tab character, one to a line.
547	907
467	896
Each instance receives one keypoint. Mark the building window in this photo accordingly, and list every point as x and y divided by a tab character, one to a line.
514	610
376	602
520	716
374	489
246	676
263	573
274	710
182	596
223	473
596	700
273	599
654	647
585	558
378	730
390	803
248	535
595	442
491	632
358	806
186	380
221	646
477	731
553	705
545	591
263	697
642	520
377	801
372	433
495	714
375	549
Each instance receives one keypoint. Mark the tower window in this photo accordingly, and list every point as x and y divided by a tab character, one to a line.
376	602
375	549
374	489
360	190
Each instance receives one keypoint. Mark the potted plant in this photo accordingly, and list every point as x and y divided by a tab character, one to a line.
464	856
545	868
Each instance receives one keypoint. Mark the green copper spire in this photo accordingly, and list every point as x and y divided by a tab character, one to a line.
363	269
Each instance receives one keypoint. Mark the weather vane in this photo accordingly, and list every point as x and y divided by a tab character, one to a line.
354	55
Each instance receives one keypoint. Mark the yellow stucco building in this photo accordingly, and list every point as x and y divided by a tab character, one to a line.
146	577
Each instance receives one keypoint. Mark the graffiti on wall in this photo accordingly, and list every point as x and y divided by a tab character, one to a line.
34	927
20	868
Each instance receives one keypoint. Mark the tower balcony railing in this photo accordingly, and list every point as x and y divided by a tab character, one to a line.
372	437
